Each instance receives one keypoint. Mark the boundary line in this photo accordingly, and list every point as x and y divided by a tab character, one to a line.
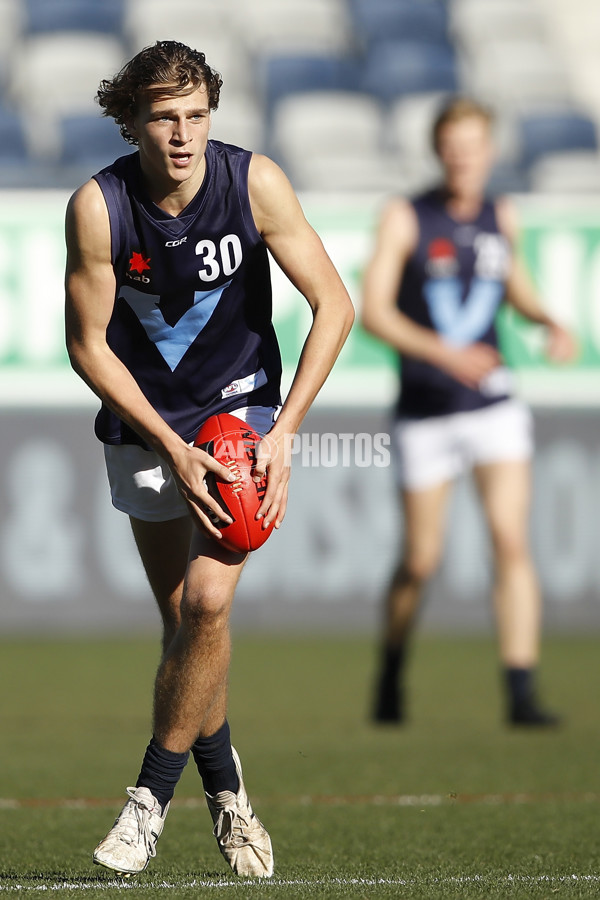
416	800
128	885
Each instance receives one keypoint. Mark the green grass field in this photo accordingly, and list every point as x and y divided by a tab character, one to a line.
454	804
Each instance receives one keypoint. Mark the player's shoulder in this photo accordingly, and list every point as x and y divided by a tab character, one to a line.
272	197
507	217
265	174
87	200
87	222
398	220
398	207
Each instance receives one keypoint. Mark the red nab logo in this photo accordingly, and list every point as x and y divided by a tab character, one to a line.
138	263
442	261
440	248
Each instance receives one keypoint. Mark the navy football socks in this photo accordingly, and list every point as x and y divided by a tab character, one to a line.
161	770
389	704
215	762
519	683
392	662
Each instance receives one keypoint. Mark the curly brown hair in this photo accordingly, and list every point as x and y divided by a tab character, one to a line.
167	67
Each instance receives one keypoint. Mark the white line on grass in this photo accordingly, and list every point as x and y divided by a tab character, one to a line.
418	800
126	885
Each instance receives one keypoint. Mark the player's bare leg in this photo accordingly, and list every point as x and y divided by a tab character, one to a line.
505	491
164	551
193	672
191	698
424	519
194	665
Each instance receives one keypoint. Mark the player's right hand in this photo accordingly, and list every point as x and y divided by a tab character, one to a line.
189	471
470	364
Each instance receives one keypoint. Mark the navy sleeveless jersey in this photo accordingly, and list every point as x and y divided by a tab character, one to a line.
453	283
192	314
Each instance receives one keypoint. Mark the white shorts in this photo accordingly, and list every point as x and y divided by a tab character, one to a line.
141	483
432	451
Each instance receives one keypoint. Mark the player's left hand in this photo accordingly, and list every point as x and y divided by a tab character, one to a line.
273	456
561	346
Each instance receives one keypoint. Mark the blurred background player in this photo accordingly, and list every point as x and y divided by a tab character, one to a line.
169	321
442	265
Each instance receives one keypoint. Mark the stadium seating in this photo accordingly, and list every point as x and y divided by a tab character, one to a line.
13	142
61	71
344	128
11	25
555	132
87	143
17	169
566	173
536	64
350	173
408	136
507	178
474	22
224	54
53	59
394	68
181	14
518	75
90	139
400	20
409	123
188	20
239	121
295	26
337	120
73	15
575	30
283	75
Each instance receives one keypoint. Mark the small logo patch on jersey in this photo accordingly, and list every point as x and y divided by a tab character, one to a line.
139	263
441	259
245	385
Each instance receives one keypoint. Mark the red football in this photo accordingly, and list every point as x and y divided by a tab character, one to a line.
233	443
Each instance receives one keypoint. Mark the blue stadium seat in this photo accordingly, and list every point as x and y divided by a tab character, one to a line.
555	132
283	75
17	169
506	178
105	16
394	68
402	20
13	143
90	141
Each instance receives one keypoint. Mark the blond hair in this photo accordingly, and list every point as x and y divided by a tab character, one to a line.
455	110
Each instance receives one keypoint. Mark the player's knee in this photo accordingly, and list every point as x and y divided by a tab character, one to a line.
420	567
510	546
208	608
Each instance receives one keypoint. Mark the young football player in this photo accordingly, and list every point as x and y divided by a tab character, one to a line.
442	265
168	317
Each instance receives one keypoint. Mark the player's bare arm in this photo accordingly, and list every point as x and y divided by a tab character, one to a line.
521	292
299	252
396	241
90	291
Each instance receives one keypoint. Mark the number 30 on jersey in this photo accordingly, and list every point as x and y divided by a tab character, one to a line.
224	258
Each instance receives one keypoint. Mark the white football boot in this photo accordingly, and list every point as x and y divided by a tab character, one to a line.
131	842
242	838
